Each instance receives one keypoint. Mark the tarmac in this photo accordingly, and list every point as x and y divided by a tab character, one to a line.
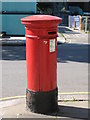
71	109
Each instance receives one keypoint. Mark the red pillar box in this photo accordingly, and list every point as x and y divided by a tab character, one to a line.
41	59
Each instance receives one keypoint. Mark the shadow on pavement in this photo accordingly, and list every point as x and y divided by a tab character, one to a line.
71	112
73	52
13	53
65	53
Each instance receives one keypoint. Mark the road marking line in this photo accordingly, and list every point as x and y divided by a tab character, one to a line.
60	93
13	97
74	93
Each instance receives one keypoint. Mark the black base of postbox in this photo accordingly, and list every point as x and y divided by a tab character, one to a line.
42	102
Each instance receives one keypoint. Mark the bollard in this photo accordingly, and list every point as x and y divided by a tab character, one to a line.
41	60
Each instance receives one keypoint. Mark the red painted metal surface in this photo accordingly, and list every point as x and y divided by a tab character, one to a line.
41	52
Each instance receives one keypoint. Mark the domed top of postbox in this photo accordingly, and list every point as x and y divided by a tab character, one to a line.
42	19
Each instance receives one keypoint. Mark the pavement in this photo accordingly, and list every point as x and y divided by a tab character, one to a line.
12	41
65	35
20	41
68	110
73	104
74	36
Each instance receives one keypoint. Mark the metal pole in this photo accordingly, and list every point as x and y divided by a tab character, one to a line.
69	21
86	24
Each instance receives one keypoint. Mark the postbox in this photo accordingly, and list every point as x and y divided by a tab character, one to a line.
41	60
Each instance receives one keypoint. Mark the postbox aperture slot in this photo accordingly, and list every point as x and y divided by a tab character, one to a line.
51	33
